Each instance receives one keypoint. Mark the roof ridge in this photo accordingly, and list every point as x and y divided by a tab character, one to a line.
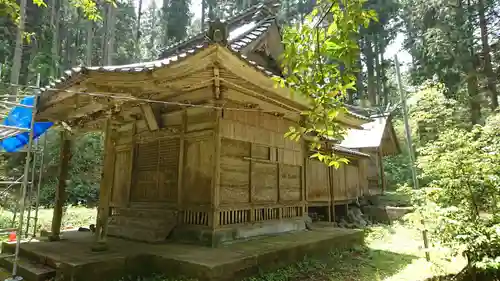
238	18
265	20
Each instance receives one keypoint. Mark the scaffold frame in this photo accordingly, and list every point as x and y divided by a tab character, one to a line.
33	151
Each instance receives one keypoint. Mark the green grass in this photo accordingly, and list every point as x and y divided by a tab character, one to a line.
74	216
394	198
391	253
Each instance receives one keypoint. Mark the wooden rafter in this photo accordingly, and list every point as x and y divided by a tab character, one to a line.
151	116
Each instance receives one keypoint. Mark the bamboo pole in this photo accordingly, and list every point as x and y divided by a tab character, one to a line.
410	150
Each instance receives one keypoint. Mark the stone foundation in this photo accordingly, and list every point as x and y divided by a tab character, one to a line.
214	238
386	214
72	260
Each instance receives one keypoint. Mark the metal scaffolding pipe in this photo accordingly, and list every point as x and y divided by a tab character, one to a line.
24	188
38	184
30	189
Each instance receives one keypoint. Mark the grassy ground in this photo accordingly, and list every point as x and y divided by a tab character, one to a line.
394	198
391	253
73	217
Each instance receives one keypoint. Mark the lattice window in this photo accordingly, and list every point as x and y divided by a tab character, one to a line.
194	217
265	214
234	217
156	171
291	212
147	156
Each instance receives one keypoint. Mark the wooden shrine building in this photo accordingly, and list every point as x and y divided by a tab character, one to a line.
378	139
194	142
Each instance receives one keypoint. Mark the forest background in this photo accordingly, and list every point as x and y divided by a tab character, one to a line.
451	76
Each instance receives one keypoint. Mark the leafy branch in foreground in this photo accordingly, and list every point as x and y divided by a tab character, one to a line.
320	64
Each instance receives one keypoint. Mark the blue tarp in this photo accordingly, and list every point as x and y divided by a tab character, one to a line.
21	117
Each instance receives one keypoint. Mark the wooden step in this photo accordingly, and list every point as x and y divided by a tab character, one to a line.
28	269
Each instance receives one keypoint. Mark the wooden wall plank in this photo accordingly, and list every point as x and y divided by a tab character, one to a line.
264	182
317	181
234	181
291	182
122	179
198	172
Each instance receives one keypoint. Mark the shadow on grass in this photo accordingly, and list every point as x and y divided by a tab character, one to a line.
359	264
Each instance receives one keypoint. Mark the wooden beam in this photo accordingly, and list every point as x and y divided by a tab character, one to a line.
151	117
107	175
247	73
261	96
65	156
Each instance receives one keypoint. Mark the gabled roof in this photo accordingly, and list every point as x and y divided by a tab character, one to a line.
78	72
245	28
348	151
372	135
254	14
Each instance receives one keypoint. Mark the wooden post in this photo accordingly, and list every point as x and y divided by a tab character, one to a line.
217	149
250	185
105	190
330	201
305	159
410	149
180	175
65	156
382	174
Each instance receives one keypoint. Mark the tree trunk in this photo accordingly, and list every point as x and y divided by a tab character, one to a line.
109	34
104	42
138	32
76	42
111	39
469	63
372	95
385	94
211	10
377	68
203	9
488	69
33	52
89	42
474	103
54	23
18	52
66	52
360	89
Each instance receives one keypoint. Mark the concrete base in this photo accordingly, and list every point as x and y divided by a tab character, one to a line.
385	214
72	258
218	237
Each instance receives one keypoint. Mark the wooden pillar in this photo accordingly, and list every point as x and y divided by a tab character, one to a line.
180	175
305	159
330	201
382	174
217	95
107	174
64	157
250	186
